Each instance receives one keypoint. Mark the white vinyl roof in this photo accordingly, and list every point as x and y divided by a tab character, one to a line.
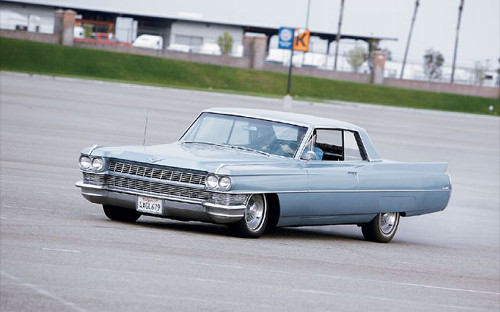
286	117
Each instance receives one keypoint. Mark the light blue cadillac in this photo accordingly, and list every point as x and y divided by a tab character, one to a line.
255	169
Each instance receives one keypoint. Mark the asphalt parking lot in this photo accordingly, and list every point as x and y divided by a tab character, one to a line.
59	252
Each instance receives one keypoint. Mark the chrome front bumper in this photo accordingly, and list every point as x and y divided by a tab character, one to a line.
176	208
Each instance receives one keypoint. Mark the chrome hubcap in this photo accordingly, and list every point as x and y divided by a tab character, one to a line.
387	221
254	213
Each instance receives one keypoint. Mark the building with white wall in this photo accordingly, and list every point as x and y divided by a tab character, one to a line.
202	37
33	18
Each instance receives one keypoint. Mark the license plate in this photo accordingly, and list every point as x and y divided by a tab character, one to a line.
149	205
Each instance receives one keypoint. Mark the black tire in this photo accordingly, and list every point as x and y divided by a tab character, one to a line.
382	228
255	220
121	214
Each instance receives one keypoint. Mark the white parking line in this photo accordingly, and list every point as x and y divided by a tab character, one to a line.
414	285
362	279
10	182
33	208
410	302
61	250
43	292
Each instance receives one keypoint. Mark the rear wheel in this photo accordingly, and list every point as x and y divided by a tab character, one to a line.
381	229
121	214
255	219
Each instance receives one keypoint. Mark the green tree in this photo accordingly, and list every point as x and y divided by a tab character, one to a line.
433	60
87	31
480	69
356	57
225	42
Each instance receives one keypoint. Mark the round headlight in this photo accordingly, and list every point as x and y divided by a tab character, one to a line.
212	181
225	184
85	162
97	164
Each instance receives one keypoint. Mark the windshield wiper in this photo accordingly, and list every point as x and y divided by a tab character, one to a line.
250	150
229	146
206	143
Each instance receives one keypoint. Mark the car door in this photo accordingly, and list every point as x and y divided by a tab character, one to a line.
333	179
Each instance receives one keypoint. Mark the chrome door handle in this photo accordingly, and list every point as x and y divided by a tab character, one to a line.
355	174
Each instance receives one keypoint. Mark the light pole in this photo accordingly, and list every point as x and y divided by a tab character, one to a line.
337	37
417	2
307	26
308	9
460	8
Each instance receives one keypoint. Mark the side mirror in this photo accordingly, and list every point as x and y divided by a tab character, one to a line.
310	155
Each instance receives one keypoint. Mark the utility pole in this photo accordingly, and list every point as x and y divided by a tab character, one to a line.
307	26
289	84
337	38
460	8
307	17
417	3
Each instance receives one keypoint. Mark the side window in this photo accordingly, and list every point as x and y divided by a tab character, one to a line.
329	144
336	145
351	148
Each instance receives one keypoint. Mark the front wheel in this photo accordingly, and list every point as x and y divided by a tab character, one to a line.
381	229
121	214
255	219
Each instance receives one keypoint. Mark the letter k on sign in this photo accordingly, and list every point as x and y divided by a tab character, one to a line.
301	40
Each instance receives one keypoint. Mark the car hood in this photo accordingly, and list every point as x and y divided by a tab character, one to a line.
203	157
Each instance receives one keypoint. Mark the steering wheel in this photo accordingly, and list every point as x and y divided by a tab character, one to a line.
274	148
283	149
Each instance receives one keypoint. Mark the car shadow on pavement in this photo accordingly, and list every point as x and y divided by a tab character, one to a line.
295	233
316	233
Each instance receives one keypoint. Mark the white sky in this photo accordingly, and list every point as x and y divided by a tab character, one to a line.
434	28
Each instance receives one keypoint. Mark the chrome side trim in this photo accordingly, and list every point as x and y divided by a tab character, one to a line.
331	191
284	192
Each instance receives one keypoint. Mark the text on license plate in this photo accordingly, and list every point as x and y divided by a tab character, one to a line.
149	205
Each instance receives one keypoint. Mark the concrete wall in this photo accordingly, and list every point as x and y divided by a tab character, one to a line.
31	36
490	92
240	62
327	74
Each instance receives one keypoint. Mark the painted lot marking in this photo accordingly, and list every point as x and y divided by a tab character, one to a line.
60	250
43	292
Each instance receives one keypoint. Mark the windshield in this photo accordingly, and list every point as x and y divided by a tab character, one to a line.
259	135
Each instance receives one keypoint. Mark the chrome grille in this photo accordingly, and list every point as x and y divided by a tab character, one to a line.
165	173
157	188
96	179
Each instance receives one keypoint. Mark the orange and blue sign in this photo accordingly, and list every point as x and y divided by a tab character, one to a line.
292	38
